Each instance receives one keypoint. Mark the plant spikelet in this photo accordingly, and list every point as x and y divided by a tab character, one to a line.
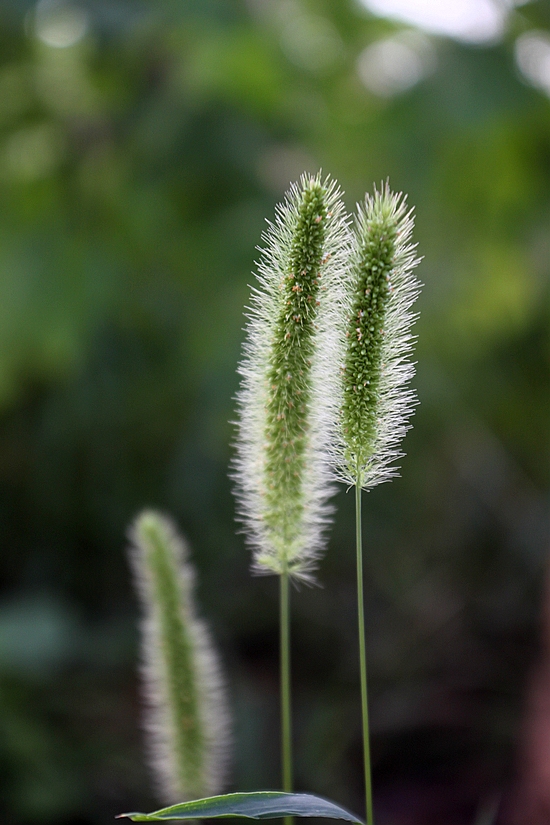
186	718
376	342
281	470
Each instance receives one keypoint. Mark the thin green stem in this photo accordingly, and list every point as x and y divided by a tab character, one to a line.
286	720
363	655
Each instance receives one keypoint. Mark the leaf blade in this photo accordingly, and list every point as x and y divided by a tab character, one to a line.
253	805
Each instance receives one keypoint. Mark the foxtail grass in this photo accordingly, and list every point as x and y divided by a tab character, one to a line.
374	402
282	471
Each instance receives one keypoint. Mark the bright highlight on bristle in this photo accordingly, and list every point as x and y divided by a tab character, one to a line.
288	375
375	403
186	718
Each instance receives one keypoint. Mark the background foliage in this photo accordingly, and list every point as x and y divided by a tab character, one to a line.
137	166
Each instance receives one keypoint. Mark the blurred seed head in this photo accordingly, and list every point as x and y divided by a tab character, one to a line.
186	716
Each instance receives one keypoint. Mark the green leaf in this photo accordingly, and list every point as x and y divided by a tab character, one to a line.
257	805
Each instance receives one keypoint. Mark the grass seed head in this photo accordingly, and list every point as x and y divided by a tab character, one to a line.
186	718
375	403
281	469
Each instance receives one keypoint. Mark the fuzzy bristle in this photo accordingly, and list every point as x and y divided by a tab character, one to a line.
288	372
186	718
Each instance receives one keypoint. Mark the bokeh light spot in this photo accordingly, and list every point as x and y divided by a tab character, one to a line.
395	64
533	59
59	24
474	21
310	41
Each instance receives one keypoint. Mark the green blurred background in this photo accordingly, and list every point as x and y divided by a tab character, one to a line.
142	146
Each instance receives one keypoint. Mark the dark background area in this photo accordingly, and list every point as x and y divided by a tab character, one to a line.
142	146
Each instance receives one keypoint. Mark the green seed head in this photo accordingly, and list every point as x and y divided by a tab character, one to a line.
281	469
186	721
375	404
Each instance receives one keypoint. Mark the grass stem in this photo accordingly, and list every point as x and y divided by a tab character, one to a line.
286	719
363	656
